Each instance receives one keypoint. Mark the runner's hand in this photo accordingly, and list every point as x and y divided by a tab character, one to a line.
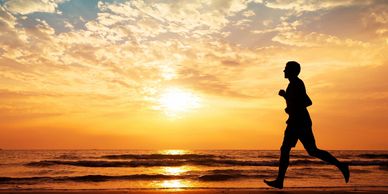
282	93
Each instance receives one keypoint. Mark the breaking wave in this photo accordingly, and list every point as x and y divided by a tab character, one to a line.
161	156
196	162
210	175
374	156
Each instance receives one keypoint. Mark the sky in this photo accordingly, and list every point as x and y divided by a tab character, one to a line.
189	74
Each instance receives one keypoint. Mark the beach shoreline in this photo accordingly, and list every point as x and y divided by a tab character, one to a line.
290	190
213	171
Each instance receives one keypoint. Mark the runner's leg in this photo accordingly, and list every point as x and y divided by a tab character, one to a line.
284	161
309	144
289	141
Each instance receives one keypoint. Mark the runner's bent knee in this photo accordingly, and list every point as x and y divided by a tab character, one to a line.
313	151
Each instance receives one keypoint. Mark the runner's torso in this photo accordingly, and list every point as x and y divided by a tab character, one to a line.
296	99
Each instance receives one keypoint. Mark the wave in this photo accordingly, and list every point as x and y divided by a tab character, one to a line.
207	176
226	177
211	175
68	157
138	177
197	162
384	167
161	156
99	163
91	178
191	156
152	163
374	156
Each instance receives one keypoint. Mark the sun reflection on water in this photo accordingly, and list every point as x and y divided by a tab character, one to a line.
174	170
174	184
174	152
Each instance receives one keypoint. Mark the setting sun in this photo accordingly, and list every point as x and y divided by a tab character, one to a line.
175	101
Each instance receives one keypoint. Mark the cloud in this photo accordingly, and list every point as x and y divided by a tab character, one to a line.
311	5
313	39
9	37
22	105
377	19
248	13
108	71
186	18
243	23
207	83
135	47
31	6
7	17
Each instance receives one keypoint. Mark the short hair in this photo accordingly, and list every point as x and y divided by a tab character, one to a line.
294	67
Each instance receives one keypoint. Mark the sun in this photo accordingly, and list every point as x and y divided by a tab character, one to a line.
175	101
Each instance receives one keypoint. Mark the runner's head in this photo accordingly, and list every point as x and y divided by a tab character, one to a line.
292	69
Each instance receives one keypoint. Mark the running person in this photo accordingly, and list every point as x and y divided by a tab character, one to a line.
299	126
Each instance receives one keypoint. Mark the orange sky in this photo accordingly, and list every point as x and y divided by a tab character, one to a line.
189	74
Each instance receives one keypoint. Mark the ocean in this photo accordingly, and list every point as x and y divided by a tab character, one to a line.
150	169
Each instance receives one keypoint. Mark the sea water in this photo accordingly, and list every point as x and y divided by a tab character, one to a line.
149	169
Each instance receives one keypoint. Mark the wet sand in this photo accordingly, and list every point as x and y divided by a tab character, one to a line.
363	190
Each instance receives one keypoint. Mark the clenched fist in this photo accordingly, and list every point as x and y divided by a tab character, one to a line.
282	93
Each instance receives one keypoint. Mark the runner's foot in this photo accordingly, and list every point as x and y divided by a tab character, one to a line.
275	183
345	171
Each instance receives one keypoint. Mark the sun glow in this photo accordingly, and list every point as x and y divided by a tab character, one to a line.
176	101
175	170
174	184
174	152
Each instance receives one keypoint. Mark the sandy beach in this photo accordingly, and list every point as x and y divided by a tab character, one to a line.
369	190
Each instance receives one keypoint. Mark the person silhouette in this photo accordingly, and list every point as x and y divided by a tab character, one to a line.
299	126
